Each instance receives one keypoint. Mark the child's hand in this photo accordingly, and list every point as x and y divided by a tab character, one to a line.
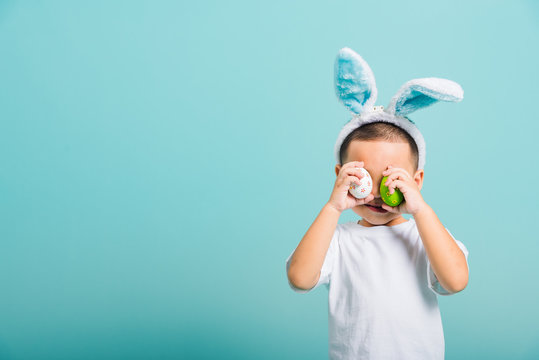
340	198
400	178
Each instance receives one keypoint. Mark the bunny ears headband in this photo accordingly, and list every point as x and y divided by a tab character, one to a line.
356	89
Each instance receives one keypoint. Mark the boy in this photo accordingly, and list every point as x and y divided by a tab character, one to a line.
383	272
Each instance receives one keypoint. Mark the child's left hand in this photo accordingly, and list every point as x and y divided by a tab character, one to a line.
400	178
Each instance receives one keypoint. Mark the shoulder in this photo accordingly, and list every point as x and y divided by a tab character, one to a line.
342	231
344	228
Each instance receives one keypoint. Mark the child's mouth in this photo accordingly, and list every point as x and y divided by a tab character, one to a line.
376	209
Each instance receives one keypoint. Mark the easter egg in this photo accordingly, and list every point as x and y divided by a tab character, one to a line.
391	199
364	188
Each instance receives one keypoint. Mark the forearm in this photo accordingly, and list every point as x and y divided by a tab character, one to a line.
308	258
447	260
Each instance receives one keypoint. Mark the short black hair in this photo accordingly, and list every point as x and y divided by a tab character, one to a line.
380	130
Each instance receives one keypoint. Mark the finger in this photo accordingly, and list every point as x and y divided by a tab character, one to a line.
350	165
396	171
351	179
354	171
353	164
397	184
395	176
390	179
393	170
369	198
388	170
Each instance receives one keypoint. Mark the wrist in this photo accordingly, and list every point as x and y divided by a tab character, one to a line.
422	209
332	208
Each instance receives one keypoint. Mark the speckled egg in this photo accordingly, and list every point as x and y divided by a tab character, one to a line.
364	188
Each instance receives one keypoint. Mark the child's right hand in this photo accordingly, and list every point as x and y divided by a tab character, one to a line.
340	198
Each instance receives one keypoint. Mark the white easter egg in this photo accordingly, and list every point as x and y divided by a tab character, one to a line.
364	188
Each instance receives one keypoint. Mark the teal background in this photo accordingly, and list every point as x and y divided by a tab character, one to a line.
159	161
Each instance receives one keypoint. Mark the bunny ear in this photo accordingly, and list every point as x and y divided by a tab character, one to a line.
354	81
420	93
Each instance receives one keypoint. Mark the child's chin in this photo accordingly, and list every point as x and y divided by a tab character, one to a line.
376	217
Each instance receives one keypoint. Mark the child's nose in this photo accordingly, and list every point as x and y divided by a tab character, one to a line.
376	187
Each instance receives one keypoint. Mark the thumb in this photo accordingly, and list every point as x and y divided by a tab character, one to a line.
360	201
366	199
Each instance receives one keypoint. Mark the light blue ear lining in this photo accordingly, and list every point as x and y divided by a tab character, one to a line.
420	93
354	81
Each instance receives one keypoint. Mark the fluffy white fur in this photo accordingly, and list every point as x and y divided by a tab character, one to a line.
433	89
372	116
356	89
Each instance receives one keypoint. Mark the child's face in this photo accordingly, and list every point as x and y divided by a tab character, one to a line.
377	155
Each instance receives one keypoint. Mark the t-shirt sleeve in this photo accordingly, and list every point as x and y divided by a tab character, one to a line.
432	280
327	266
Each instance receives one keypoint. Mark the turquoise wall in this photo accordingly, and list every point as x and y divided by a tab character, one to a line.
159	161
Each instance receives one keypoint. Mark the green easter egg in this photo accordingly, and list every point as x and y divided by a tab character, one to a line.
391	199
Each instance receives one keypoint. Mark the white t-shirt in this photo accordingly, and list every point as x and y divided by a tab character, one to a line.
382	294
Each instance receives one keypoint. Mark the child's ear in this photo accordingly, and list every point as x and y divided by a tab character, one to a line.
337	169
420	93
354	81
418	178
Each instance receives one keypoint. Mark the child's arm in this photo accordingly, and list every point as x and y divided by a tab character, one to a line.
308	258
446	258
